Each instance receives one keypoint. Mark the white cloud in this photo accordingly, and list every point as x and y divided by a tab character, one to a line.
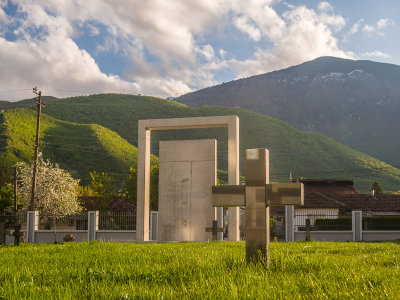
325	6
222	53
368	28
93	30
380	25
207	52
174	32
356	27
243	25
305	37
376	53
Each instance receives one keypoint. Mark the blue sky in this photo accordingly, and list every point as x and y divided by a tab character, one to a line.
170	47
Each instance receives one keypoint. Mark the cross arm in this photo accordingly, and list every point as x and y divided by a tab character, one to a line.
278	194
228	195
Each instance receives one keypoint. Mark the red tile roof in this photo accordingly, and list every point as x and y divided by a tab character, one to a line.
365	202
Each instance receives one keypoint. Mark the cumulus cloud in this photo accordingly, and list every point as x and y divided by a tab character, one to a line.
325	6
382	23
376	53
174	33
378	27
243	25
356	27
306	36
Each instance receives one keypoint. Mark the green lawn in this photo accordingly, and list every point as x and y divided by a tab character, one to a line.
199	270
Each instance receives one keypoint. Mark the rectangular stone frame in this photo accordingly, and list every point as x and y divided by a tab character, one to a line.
143	179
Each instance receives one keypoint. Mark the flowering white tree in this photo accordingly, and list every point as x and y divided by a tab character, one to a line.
56	190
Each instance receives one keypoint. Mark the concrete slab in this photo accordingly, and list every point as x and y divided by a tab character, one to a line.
187	173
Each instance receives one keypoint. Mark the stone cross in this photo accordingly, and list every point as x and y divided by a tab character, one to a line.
257	195
214	229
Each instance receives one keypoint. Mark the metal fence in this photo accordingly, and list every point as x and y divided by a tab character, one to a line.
9	219
117	221
63	222
384	222
322	221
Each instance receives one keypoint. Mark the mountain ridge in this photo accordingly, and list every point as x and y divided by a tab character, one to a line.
355	102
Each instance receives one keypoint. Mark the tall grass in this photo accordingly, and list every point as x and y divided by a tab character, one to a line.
199	270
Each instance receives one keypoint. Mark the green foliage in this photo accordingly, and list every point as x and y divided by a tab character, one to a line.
154	175
85	191
313	270
338	224
6	173
130	186
78	148
103	186
377	187
381	223
6	197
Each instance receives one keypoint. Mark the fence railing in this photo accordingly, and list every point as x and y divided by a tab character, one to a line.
63	222
117	221
322	221
372	222
9	219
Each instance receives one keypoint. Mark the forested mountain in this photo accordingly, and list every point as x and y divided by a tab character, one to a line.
354	102
99	132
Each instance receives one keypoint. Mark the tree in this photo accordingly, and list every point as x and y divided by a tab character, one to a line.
6	173
103	186
6	197
376	186
154	175
130	186
55	189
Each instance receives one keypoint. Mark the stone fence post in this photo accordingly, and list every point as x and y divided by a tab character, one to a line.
357	225
32	224
289	223
93	224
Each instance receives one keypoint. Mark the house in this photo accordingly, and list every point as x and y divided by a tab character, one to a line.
328	186
334	198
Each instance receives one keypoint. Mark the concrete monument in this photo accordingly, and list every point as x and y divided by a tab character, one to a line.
257	196
188	170
143	192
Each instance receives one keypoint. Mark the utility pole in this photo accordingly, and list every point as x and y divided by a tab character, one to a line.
17	225
38	100
15	191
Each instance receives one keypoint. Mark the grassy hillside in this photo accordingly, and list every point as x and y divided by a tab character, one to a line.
79	148
4	105
305	154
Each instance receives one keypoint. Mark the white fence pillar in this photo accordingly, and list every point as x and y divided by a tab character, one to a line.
289	223
357	225
93	225
32	223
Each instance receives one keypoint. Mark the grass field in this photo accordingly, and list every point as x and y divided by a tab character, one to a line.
199	270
